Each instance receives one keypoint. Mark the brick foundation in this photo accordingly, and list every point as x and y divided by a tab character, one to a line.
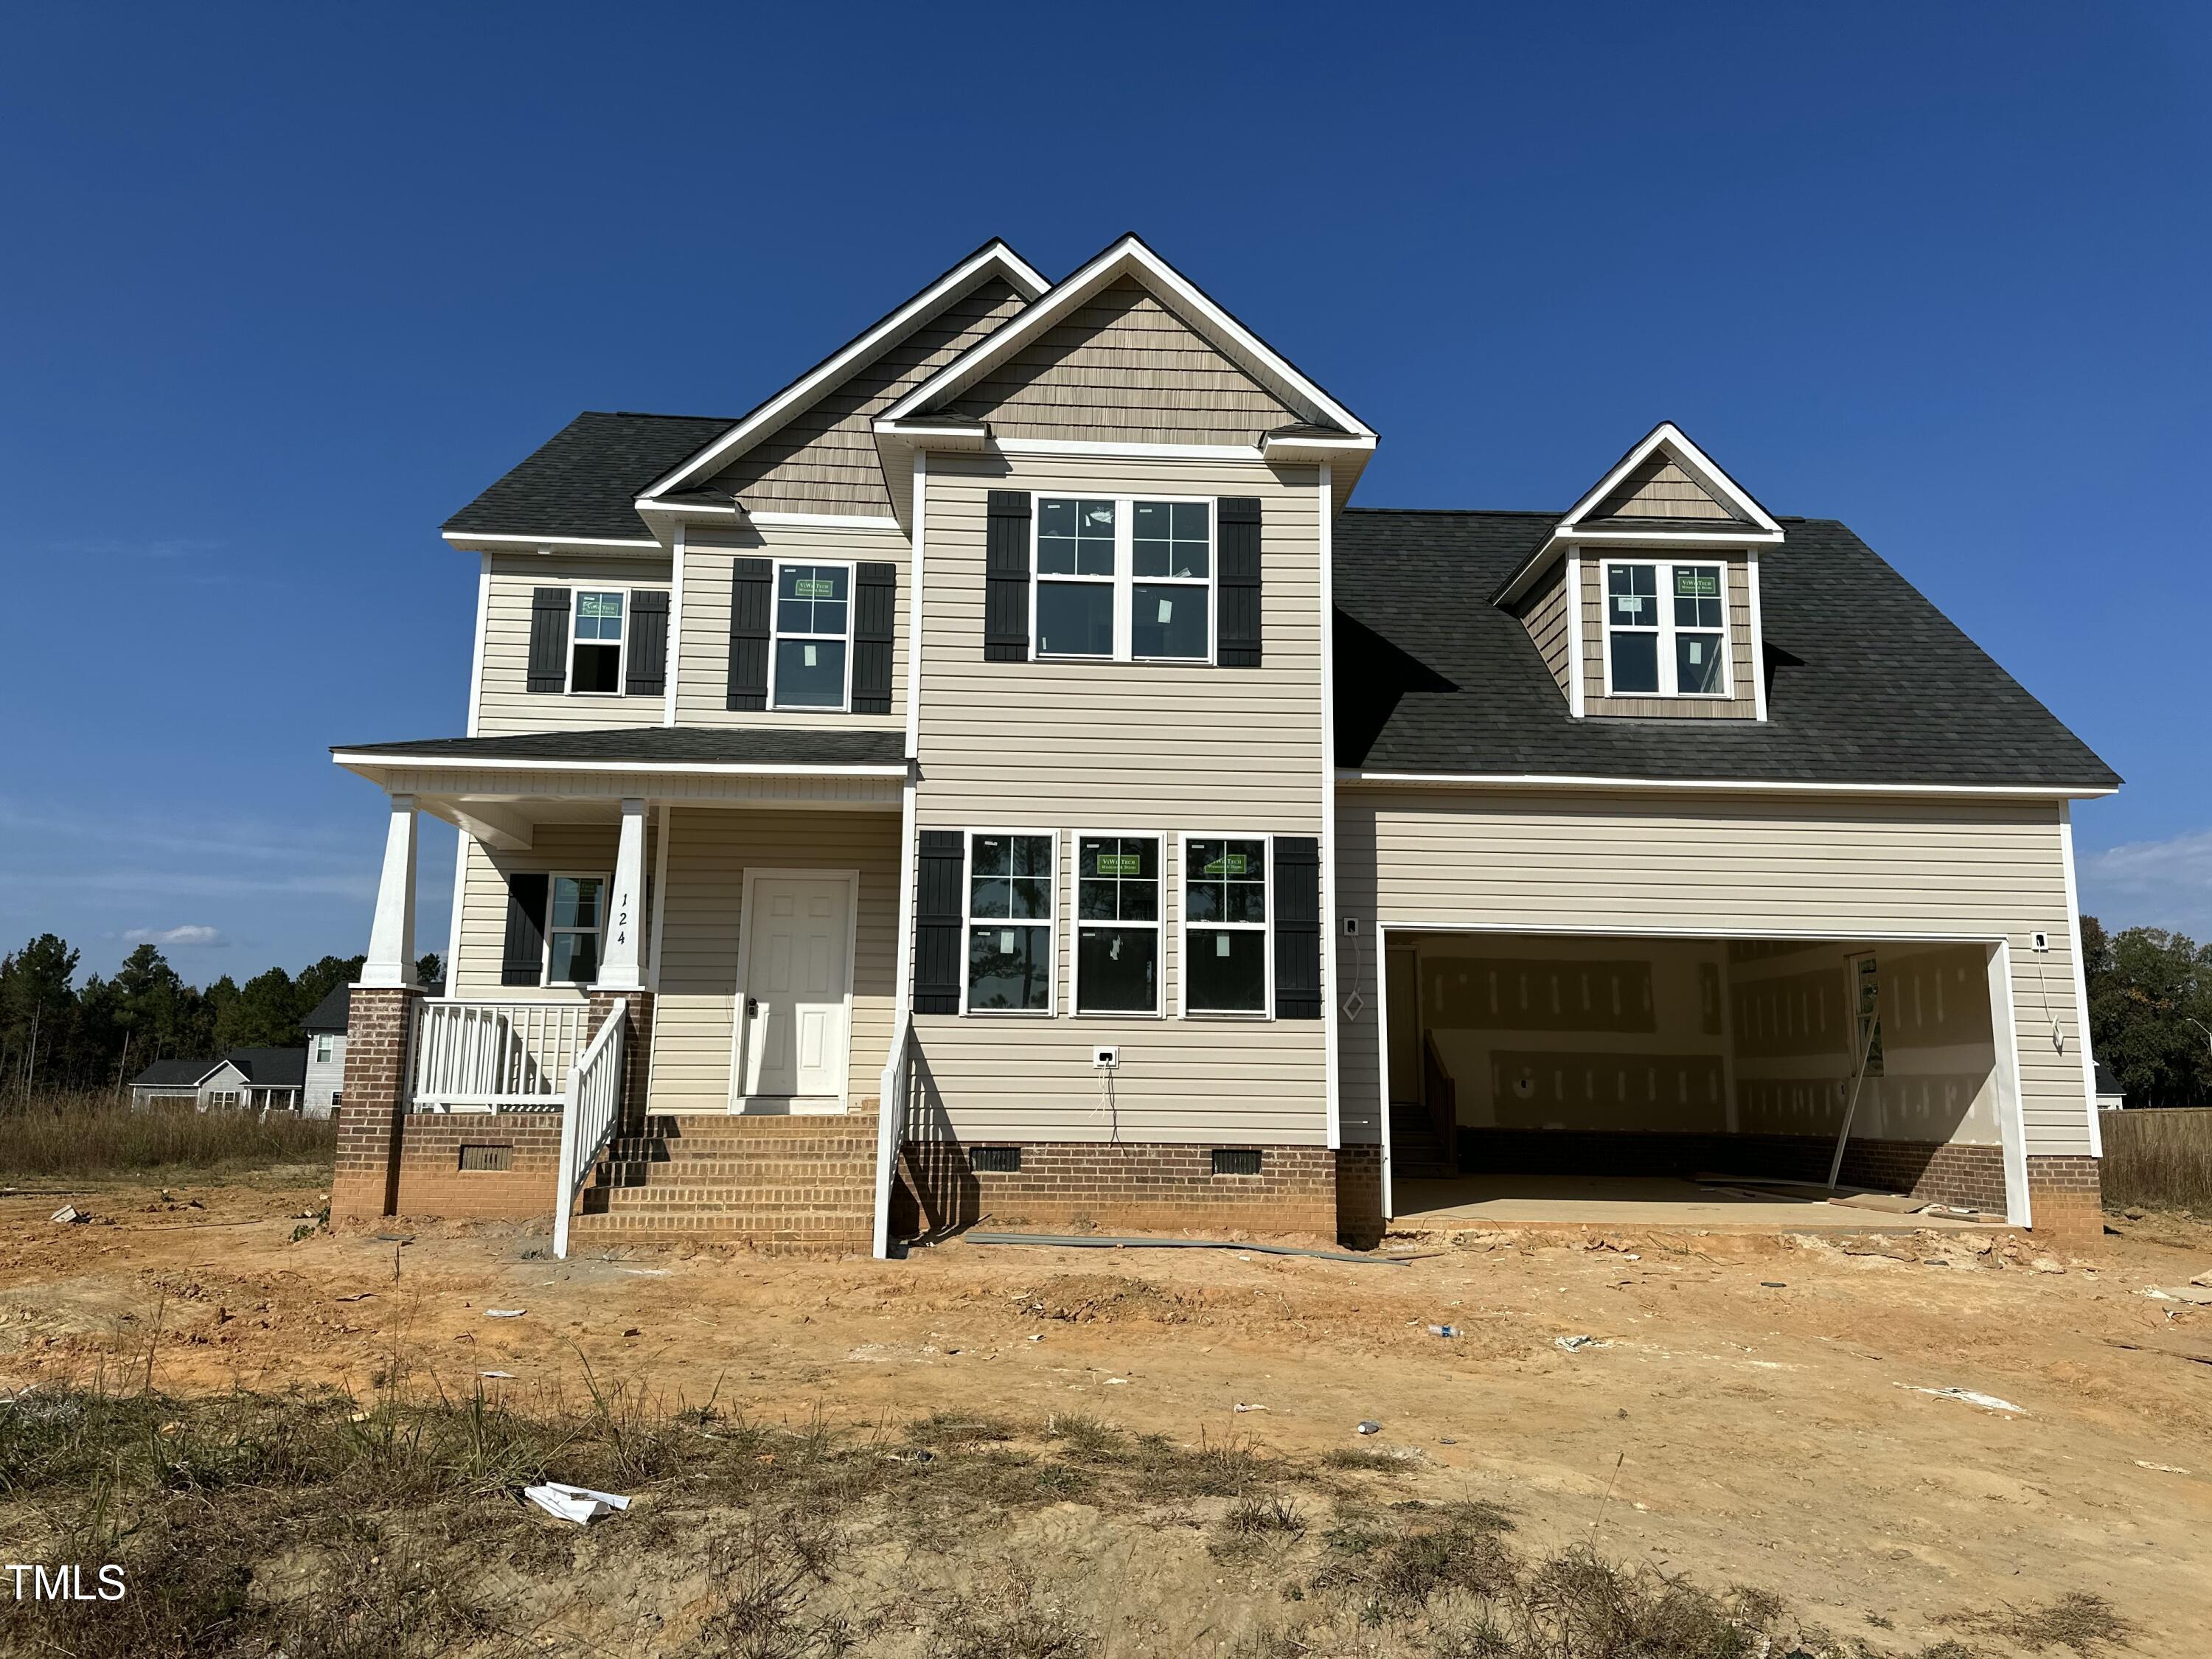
1148	1187
1939	1173
370	1115
431	1182
2065	1199
1360	1196
637	1050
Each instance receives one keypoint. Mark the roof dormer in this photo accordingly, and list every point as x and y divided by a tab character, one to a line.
1643	597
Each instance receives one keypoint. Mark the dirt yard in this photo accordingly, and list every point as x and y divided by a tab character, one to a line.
1750	1411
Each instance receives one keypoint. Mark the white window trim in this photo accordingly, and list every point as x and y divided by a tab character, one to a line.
1666	565
777	636
1125	579
327	1045
1076	923
545	980
576	591
1266	929
1050	923
1851	1013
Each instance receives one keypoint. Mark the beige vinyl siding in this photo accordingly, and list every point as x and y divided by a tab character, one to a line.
702	668
506	704
1843	867
709	851
1124	366
1661	489
823	460
1544	613
572	848
1131	747
1741	703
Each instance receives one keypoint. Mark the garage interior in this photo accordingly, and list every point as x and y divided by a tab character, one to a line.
1540	1078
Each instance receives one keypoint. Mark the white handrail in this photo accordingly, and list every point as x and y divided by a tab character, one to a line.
493	1056
594	1107
891	1130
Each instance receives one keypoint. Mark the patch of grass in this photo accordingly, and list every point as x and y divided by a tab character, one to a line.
958	1428
1366	1460
82	1136
1008	1616
2082	1623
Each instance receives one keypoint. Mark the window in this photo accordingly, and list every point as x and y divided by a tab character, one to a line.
573	921
1009	920
595	655
325	1047
1117	925
813	623
1125	580
1666	629
1226	964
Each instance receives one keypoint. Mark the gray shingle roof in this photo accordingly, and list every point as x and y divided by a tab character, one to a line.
1869	683
174	1074
582	481
329	1014
728	745
271	1068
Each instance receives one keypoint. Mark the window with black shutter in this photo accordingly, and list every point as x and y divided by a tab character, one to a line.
752	588
646	672
1297	927
940	914
1237	524
548	640
522	962
875	616
1006	577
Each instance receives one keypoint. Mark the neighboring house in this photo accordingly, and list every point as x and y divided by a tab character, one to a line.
2110	1097
255	1079
1001	775
326	1041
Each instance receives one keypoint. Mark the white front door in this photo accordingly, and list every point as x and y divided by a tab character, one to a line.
797	979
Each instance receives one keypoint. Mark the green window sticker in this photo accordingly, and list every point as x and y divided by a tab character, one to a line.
1229	864
815	588
1697	584
1120	864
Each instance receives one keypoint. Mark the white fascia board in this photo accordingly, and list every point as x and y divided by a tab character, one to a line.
1657	540
1736	785
803	392
355	760
1692	459
1110	447
1127	257
828	521
935	434
473	542
687	509
1317	449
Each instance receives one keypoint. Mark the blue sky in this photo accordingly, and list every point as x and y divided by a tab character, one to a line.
285	286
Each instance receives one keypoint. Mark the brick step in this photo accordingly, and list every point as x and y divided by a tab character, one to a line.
641	1201
779	1223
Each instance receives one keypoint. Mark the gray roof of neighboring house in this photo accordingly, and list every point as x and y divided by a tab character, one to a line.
174	1074
665	745
2108	1080
581	481
1868	682
329	1014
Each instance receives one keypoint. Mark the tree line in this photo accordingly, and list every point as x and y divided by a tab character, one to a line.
56	1034
2150	1007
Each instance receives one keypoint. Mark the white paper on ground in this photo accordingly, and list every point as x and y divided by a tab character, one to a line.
612	1500
1986	1401
505	1313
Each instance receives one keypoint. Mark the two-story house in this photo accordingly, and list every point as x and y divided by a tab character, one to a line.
1001	775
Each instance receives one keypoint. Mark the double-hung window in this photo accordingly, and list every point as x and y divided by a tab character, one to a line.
1666	629
809	663
1226	962
595	651
575	919
1123	579
1117	924
1010	879
325	1046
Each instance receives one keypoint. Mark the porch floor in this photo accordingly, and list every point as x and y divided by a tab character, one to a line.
1636	1201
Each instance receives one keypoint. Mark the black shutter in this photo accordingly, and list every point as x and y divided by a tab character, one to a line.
1297	927
647	674
1237	644
875	608
940	918
549	639
523	962
1006	578
752	584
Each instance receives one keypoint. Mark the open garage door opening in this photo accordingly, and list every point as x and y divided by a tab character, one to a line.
1632	1080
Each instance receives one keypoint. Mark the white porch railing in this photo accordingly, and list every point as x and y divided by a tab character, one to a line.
488	1056
595	1096
890	1128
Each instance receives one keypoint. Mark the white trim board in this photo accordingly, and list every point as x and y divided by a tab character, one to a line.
551	543
355	759
1735	786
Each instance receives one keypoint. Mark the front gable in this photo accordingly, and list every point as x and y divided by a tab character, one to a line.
1122	367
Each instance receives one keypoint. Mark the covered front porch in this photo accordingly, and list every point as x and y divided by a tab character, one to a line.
670	992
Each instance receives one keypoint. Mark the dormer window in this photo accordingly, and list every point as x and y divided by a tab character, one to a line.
1666	629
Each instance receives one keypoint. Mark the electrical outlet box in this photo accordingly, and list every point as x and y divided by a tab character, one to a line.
2039	941
1351	927
1106	1057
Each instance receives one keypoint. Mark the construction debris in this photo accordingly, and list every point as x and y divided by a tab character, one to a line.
1577	1344
578	1504
1986	1401
67	1215
505	1313
2198	1295
1368	1428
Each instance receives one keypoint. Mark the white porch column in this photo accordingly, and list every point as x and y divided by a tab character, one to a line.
625	904
391	935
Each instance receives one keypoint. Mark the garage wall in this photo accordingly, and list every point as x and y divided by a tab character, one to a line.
1866	867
